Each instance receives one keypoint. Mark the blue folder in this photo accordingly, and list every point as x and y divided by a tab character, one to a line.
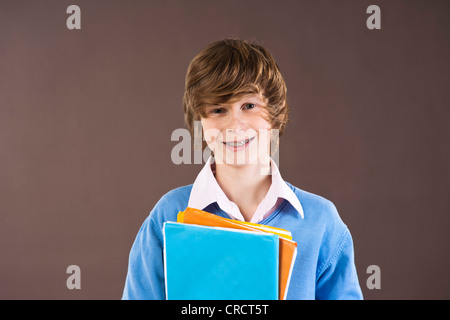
211	263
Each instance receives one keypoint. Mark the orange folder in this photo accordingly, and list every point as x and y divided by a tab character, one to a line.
287	248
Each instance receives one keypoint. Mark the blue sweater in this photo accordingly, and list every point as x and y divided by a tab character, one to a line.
324	267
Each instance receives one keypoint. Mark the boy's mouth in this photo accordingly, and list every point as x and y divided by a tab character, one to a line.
237	145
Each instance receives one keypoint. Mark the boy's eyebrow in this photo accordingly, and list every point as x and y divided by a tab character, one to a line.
215	105
243	99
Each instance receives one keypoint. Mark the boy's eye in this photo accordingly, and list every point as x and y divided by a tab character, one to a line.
248	106
216	110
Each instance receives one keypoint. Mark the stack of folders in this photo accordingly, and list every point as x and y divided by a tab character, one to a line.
208	257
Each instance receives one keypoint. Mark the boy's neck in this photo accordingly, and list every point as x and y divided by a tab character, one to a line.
245	185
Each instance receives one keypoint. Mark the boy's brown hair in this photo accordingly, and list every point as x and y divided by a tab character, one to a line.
228	69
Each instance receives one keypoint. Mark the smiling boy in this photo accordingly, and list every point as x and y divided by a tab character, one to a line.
235	89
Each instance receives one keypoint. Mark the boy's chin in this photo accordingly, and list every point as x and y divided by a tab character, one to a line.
239	163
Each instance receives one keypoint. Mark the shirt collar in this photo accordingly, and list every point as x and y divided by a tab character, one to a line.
206	190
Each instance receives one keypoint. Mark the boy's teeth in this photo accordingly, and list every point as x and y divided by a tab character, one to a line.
237	144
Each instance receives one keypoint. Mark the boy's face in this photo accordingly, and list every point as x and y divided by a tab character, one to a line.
238	132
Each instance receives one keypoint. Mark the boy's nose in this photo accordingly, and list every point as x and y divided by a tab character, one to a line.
236	123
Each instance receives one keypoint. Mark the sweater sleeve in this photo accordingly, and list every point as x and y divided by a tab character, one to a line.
145	277
338	279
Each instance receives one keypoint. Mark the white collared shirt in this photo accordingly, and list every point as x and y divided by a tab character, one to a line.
206	190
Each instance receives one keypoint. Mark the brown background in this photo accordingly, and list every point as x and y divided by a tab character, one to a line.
86	118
